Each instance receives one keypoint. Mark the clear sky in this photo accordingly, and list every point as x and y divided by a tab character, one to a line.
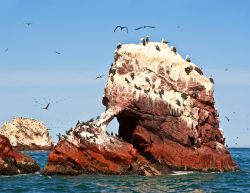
214	33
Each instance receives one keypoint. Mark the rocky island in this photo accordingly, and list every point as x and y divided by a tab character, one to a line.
13	162
167	120
27	134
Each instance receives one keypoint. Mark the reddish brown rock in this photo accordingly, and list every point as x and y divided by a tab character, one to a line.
13	162
167	116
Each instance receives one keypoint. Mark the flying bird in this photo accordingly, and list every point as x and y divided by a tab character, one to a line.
121	28
57	52
226	69
145	26
227	118
28	23
6	50
47	107
99	76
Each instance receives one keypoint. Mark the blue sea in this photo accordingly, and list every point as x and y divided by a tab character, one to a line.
191	182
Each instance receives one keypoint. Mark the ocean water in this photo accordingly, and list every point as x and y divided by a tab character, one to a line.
191	182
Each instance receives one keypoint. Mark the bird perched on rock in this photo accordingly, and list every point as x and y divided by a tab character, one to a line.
211	79
157	48
173	48
111	133
147	80
145	26
132	75
121	28
164	41
137	87
178	102
143	41
188	58
119	45
147	39
127	80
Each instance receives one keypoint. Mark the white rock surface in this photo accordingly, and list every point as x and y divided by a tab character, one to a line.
27	134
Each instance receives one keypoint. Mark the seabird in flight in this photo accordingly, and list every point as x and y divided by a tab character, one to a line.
99	76
47	107
145	26
57	52
28	23
6	50
227	118
121	27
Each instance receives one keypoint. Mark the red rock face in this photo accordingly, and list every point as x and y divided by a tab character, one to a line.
167	116
13	162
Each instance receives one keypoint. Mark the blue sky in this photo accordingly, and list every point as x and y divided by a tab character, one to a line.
214	33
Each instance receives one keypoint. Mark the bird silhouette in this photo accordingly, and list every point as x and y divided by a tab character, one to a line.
145	26
28	23
57	52
47	107
99	76
121	27
227	118
6	50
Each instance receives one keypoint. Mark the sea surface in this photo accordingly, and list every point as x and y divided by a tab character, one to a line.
191	182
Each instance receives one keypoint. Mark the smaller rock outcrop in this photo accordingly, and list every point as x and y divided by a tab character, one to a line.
27	134
13	162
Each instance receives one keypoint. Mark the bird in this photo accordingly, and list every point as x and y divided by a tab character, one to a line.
147	39
145	26
112	133
178	26
99	76
173	48
143	41
127	80
6	50
226	69
119	45
28	23
178	102
121	27
47	107
164	41
157	48
211	79
188	58
227	118
57	52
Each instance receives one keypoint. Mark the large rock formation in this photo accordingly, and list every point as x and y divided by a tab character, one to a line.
27	134
13	162
168	121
